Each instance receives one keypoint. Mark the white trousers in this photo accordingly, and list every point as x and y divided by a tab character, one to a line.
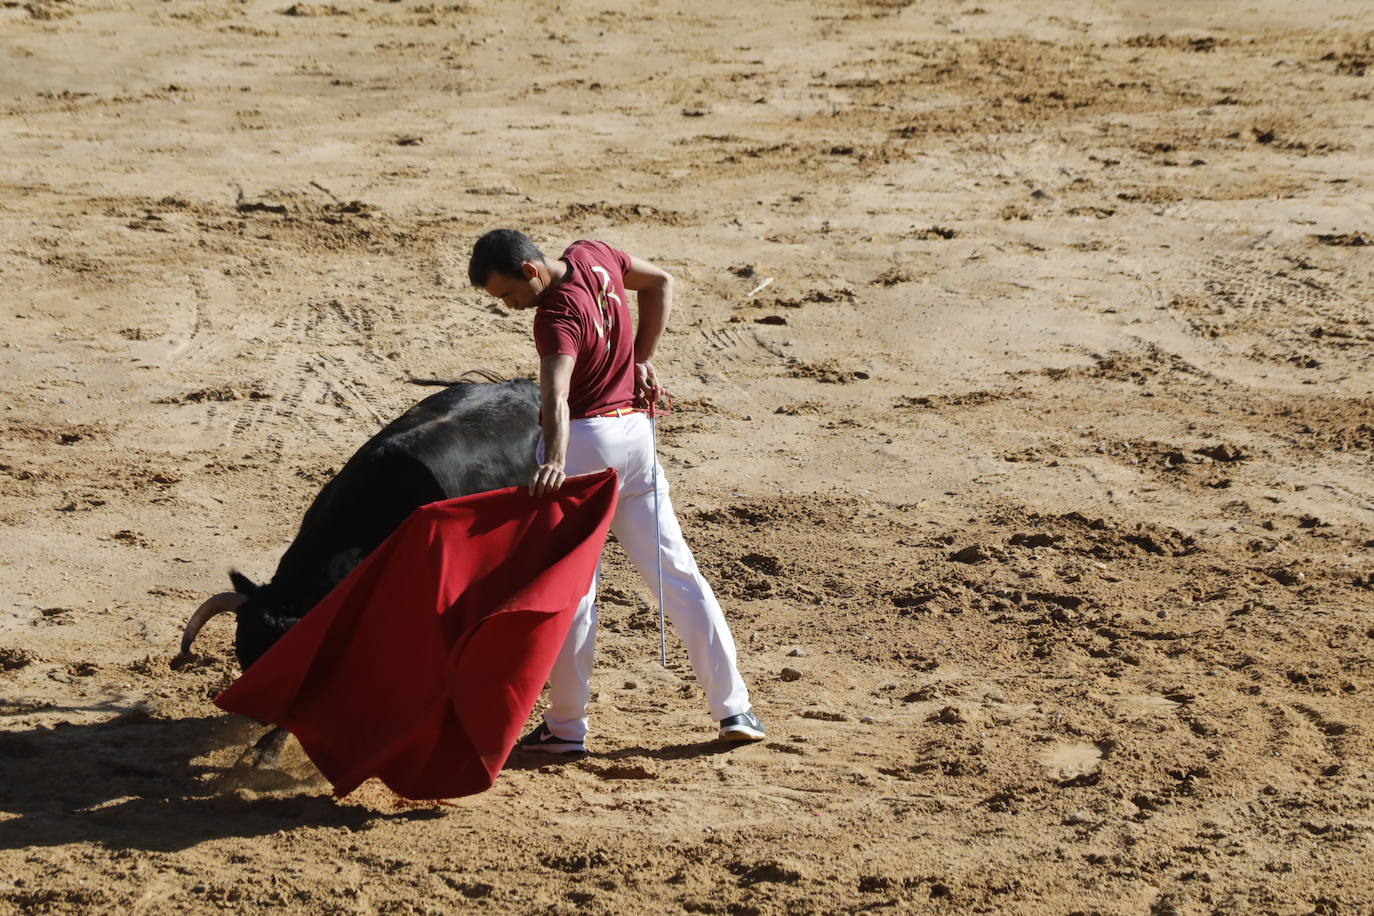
626	444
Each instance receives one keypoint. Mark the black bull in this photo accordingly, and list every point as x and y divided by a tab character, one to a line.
470	437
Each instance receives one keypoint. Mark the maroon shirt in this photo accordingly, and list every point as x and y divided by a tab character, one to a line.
585	316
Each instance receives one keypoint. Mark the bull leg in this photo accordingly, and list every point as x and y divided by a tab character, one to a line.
266	751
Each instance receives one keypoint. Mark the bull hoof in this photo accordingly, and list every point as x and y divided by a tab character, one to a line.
266	751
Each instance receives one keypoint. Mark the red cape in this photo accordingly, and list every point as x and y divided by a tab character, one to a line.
422	666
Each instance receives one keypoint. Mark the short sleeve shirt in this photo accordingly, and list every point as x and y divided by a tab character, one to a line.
585	316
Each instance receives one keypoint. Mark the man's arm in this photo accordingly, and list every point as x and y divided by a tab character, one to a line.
555	375
654	288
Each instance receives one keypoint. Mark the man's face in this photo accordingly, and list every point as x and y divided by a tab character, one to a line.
520	292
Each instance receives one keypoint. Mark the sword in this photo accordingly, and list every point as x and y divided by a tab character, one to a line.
654	394
658	546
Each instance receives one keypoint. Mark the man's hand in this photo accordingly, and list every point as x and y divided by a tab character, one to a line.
548	477
647	390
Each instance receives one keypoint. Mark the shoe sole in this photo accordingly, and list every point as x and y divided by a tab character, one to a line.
741	733
562	748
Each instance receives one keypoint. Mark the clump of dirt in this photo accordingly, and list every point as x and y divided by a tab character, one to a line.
314	9
12	659
1198	44
1344	239
939	401
57	433
801	408
828	371
220	393
893	276
618	214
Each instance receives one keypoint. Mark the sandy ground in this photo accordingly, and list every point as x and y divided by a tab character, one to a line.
1044	461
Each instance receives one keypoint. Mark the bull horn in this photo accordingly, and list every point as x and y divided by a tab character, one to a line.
218	604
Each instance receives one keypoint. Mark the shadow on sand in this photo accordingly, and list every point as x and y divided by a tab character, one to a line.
131	782
533	760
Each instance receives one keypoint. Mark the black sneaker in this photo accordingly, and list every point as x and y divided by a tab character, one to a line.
545	741
744	727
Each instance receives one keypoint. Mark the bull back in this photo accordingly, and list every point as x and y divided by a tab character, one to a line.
468	438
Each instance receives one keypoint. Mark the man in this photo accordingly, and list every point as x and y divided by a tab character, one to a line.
593	369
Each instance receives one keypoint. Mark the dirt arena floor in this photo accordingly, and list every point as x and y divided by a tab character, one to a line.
1038	483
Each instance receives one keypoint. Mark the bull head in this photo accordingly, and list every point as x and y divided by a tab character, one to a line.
259	626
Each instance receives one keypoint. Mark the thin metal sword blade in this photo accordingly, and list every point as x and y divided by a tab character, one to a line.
658	553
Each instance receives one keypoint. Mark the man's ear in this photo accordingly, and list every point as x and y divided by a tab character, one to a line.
529	270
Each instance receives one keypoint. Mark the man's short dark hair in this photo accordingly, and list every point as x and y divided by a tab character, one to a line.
501	251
